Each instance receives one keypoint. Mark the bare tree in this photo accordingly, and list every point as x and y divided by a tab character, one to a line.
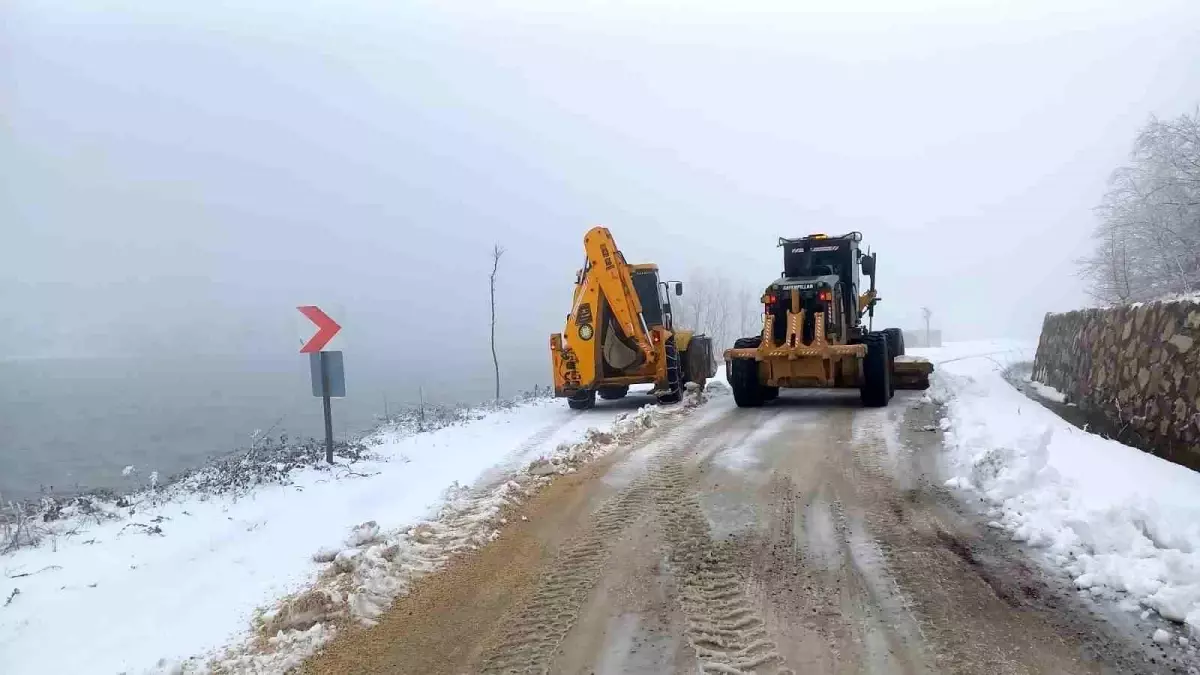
749	312
1108	268
715	305
497	251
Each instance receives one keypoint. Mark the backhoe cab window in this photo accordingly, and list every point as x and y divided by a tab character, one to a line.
645	284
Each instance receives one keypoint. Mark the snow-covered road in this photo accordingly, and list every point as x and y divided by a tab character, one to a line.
966	530
807	536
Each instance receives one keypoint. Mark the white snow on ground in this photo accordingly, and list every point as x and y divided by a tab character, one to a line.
1123	523
187	585
1167	299
744	455
1047	392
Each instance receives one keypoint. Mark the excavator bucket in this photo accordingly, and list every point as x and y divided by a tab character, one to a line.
911	372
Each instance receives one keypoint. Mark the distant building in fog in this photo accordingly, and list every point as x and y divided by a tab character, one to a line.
922	338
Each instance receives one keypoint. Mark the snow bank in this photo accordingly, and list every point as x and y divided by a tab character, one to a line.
1047	392
1123	523
195	582
1178	297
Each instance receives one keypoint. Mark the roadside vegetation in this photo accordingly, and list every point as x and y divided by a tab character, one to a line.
1147	240
270	459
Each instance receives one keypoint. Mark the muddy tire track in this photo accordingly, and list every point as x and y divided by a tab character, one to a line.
534	632
849	595
966	617
724	627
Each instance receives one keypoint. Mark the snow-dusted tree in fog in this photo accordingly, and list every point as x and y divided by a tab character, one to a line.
719	307
705	306
1147	241
749	312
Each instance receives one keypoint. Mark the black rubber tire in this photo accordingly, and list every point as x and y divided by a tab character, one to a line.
582	400
674	374
748	342
743	379
895	338
753	393
876	387
613	392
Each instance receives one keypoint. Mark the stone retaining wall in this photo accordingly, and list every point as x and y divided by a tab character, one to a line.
1137	367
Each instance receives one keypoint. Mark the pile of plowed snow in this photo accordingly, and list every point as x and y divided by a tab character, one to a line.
1123	523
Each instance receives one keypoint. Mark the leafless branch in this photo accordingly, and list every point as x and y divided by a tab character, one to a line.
497	251
29	574
145	528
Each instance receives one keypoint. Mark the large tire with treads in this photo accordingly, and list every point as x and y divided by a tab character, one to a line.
748	392
743	379
748	342
895	338
876	386
674	392
613	392
582	400
895	342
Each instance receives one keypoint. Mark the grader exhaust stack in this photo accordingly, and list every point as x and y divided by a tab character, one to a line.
813	332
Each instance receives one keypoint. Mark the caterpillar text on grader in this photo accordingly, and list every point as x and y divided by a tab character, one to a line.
620	332
813	332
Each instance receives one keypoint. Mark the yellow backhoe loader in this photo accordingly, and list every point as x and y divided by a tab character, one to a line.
620	332
817	330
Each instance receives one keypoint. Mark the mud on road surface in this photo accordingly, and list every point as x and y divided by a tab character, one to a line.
808	536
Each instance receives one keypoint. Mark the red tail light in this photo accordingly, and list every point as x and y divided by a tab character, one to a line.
825	296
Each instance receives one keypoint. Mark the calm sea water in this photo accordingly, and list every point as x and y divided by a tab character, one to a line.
67	424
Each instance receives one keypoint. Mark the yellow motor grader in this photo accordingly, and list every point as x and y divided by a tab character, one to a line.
620	332
813	329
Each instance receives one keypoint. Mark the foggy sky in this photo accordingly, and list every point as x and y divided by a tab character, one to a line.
177	178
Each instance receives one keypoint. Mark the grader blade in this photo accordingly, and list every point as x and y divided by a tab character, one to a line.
911	372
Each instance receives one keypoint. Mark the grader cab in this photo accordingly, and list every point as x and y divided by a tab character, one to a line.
817	329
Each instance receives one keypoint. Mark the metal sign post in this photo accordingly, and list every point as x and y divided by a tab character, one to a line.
326	368
327	407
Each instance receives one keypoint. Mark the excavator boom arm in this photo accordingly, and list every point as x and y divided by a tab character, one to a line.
604	292
612	341
608	272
